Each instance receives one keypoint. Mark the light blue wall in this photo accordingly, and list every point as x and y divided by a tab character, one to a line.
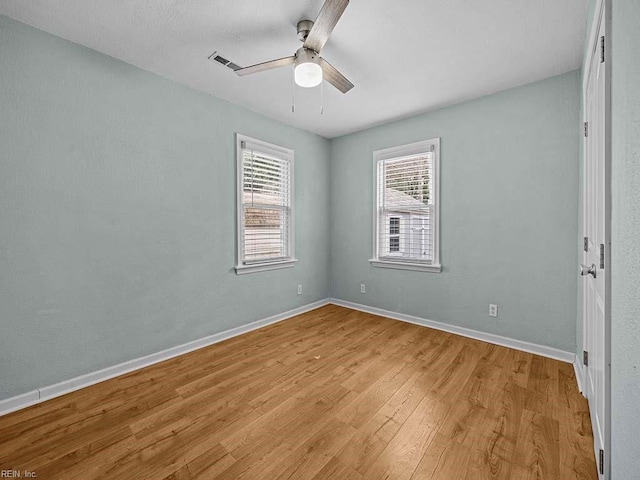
625	243
117	199
509	215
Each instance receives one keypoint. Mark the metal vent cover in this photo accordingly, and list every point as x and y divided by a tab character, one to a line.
216	57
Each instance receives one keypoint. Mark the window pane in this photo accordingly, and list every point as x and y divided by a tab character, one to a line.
407	181
394	226
394	244
265	234
265	180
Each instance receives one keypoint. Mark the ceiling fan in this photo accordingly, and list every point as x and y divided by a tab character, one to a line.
310	67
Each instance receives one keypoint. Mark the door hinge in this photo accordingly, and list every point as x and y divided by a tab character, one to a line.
585	358
585	245
601	462
586	129
601	256
602	49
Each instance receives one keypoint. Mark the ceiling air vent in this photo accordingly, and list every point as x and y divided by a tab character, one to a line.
216	57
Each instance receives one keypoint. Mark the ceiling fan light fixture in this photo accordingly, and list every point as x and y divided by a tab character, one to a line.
307	72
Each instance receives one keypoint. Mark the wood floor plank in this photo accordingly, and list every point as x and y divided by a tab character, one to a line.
208	465
466	422
367	403
310	458
403	453
372	438
517	367
495	354
537	448
483	465
450	380
443	459
503	426
330	394
336	470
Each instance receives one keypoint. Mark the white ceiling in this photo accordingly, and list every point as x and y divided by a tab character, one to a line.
404	57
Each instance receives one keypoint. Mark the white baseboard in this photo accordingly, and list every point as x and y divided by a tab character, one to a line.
27	399
18	402
579	369
543	350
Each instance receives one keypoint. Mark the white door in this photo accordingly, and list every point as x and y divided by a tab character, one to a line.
595	261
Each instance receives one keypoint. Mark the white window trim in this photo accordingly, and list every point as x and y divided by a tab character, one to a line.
401	151
242	268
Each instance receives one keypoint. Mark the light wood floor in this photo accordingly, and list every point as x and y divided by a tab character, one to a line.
331	394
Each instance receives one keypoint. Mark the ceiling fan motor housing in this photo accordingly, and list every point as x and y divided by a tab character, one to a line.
306	55
304	27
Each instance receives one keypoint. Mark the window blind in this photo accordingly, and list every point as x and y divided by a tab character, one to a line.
405	208
266	205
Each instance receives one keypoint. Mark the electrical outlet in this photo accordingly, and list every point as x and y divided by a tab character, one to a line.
493	310
363	289
299	289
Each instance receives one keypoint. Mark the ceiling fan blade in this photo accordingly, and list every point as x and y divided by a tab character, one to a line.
261	67
334	77
329	15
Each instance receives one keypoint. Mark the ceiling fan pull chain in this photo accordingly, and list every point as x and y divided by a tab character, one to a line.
293	90
321	98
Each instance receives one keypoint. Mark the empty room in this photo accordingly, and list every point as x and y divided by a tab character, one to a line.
320	239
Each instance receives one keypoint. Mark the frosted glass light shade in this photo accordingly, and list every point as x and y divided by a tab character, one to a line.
308	74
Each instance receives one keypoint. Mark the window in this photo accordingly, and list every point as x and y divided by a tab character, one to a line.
394	234
265	206
407	207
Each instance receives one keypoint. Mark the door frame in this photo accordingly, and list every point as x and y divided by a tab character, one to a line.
602	14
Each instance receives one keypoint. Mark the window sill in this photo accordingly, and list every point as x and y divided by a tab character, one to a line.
419	267
264	267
